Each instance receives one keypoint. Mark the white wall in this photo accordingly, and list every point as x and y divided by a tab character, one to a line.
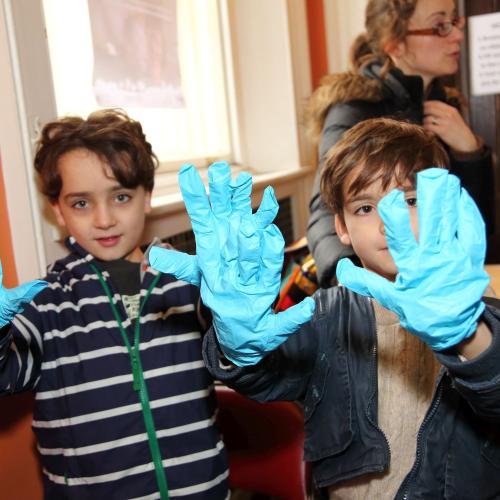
344	20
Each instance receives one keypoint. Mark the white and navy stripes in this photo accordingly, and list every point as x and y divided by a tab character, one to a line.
92	440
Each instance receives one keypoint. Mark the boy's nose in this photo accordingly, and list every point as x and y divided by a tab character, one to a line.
104	217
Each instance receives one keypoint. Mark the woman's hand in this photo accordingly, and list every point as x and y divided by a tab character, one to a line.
447	123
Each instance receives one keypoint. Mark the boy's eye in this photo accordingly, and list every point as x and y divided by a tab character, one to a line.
80	204
122	198
411	202
365	209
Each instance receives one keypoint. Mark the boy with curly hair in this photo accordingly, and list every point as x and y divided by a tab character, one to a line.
124	407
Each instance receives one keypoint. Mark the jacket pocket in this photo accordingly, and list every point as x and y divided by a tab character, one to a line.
317	387
327	409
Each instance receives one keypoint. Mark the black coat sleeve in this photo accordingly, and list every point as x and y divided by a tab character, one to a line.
476	176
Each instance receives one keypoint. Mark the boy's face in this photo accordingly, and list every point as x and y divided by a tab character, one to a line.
363	228
105	218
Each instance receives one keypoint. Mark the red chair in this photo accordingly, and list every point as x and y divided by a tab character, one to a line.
264	442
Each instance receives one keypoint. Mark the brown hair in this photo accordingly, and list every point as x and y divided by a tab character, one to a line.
386	21
109	133
386	149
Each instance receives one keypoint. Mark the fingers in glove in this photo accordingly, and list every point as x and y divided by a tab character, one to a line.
219	179
248	251
449	220
208	246
267	210
273	249
195	198
395	215
471	230
431	198
241	191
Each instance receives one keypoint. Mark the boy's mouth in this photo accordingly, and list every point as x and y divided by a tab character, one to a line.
108	241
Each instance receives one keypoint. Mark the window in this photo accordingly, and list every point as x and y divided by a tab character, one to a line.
264	81
157	59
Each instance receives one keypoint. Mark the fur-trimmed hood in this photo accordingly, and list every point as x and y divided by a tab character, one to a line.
335	88
368	85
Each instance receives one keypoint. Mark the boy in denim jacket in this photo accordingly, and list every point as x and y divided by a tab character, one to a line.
398	369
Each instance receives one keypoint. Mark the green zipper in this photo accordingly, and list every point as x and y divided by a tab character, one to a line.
139	383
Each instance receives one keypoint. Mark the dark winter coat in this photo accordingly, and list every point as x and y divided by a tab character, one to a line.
331	367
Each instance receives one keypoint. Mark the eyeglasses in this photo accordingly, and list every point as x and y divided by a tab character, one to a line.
441	29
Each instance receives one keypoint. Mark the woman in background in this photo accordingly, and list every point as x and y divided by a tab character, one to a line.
396	68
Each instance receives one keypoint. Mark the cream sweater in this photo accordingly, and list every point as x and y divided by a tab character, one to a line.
407	370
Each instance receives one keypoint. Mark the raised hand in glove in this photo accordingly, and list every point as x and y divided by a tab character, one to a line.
12	300
239	256
441	278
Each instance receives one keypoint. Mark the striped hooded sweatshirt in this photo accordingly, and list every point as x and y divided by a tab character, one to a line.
98	437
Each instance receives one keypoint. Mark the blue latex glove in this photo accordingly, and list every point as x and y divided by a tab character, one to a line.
12	300
441	279
230	199
239	256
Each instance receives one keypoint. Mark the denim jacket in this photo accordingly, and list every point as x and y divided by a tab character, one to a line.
330	365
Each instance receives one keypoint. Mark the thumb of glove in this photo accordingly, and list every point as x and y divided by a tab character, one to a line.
289	321
365	282
12	300
25	293
181	265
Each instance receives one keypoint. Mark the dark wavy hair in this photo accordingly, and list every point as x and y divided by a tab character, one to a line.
109	133
386	150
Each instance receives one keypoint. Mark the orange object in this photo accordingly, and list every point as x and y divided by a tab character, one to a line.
317	40
6	252
20	474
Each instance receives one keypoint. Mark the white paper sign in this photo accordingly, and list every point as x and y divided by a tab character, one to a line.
484	43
